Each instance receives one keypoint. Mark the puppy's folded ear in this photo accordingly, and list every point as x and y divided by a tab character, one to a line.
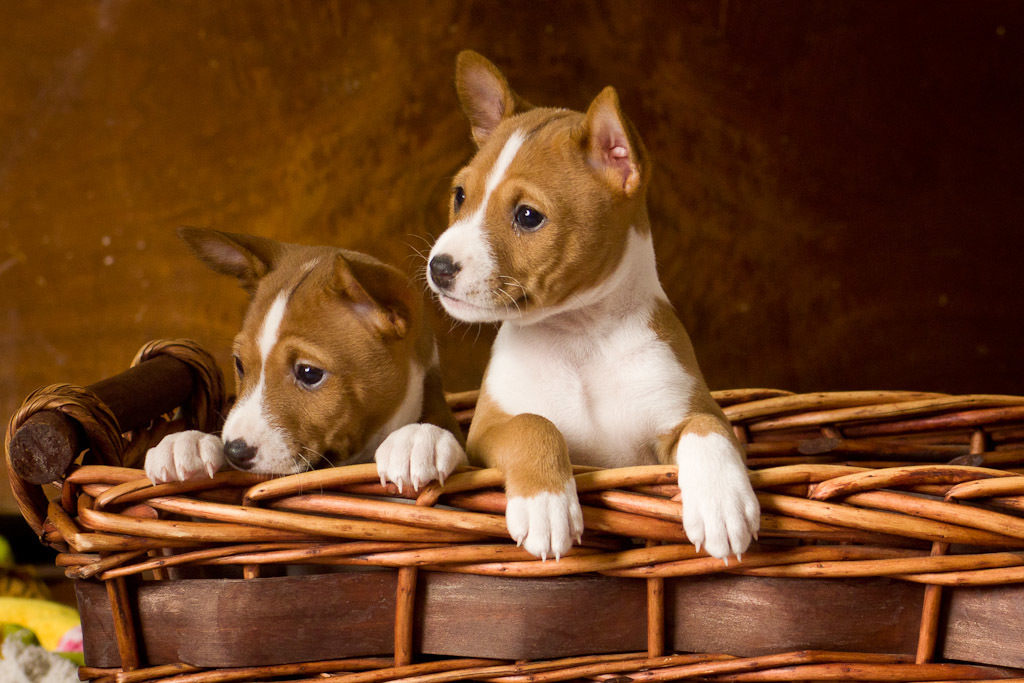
378	293
612	145
484	94
246	257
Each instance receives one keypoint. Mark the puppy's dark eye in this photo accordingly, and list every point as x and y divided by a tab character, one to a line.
528	218
308	376
238	366
459	198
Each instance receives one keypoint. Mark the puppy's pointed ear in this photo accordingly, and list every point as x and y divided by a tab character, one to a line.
612	145
386	309
484	94
246	257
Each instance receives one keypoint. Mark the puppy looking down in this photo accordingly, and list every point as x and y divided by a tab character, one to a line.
549	235
334	363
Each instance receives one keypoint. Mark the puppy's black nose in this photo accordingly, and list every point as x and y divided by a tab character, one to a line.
443	270
239	453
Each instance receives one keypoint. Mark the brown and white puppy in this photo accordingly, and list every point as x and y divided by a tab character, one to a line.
549	235
333	364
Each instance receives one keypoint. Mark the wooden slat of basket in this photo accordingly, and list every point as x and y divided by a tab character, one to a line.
487	672
886	522
249	623
203	532
385	511
238	551
313	480
750	616
965	419
899	477
190	674
141	489
254	520
570	671
701	566
595	519
68	532
896	566
719	670
978	617
1009	486
245	623
996	523
872	672
728	397
821	401
887	410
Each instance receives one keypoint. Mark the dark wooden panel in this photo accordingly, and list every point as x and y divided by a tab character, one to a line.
234	622
226	622
751	616
986	623
483	616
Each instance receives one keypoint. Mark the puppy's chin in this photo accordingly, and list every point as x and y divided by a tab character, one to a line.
281	467
275	469
466	312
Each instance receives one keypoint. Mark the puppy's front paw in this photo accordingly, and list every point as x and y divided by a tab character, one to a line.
546	523
720	510
183	456
417	454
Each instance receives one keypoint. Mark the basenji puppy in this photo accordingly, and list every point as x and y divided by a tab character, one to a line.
334	363
549	235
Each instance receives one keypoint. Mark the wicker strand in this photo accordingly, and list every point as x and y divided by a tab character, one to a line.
655	613
855	484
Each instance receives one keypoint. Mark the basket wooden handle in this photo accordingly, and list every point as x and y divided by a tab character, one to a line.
45	445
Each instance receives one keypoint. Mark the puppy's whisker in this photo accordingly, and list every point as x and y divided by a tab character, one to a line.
513	281
427	242
513	302
318	455
309	465
418	252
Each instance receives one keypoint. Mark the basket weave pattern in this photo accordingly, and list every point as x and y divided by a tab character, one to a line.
920	488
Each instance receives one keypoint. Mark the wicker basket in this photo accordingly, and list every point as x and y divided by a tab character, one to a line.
890	549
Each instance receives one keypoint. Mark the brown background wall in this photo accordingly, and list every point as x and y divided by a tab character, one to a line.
836	202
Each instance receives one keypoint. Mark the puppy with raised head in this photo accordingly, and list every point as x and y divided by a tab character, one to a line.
549	235
334	363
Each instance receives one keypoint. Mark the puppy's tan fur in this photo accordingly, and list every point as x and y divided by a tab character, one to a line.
591	365
349	316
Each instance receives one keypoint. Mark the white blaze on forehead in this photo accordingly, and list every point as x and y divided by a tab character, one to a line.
466	241
497	172
271	327
250	420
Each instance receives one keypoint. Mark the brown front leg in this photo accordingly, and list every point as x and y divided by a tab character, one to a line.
543	512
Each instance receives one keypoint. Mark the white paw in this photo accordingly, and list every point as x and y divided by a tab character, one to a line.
546	523
183	456
417	454
720	510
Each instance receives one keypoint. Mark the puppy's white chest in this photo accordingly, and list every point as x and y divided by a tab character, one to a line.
610	394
